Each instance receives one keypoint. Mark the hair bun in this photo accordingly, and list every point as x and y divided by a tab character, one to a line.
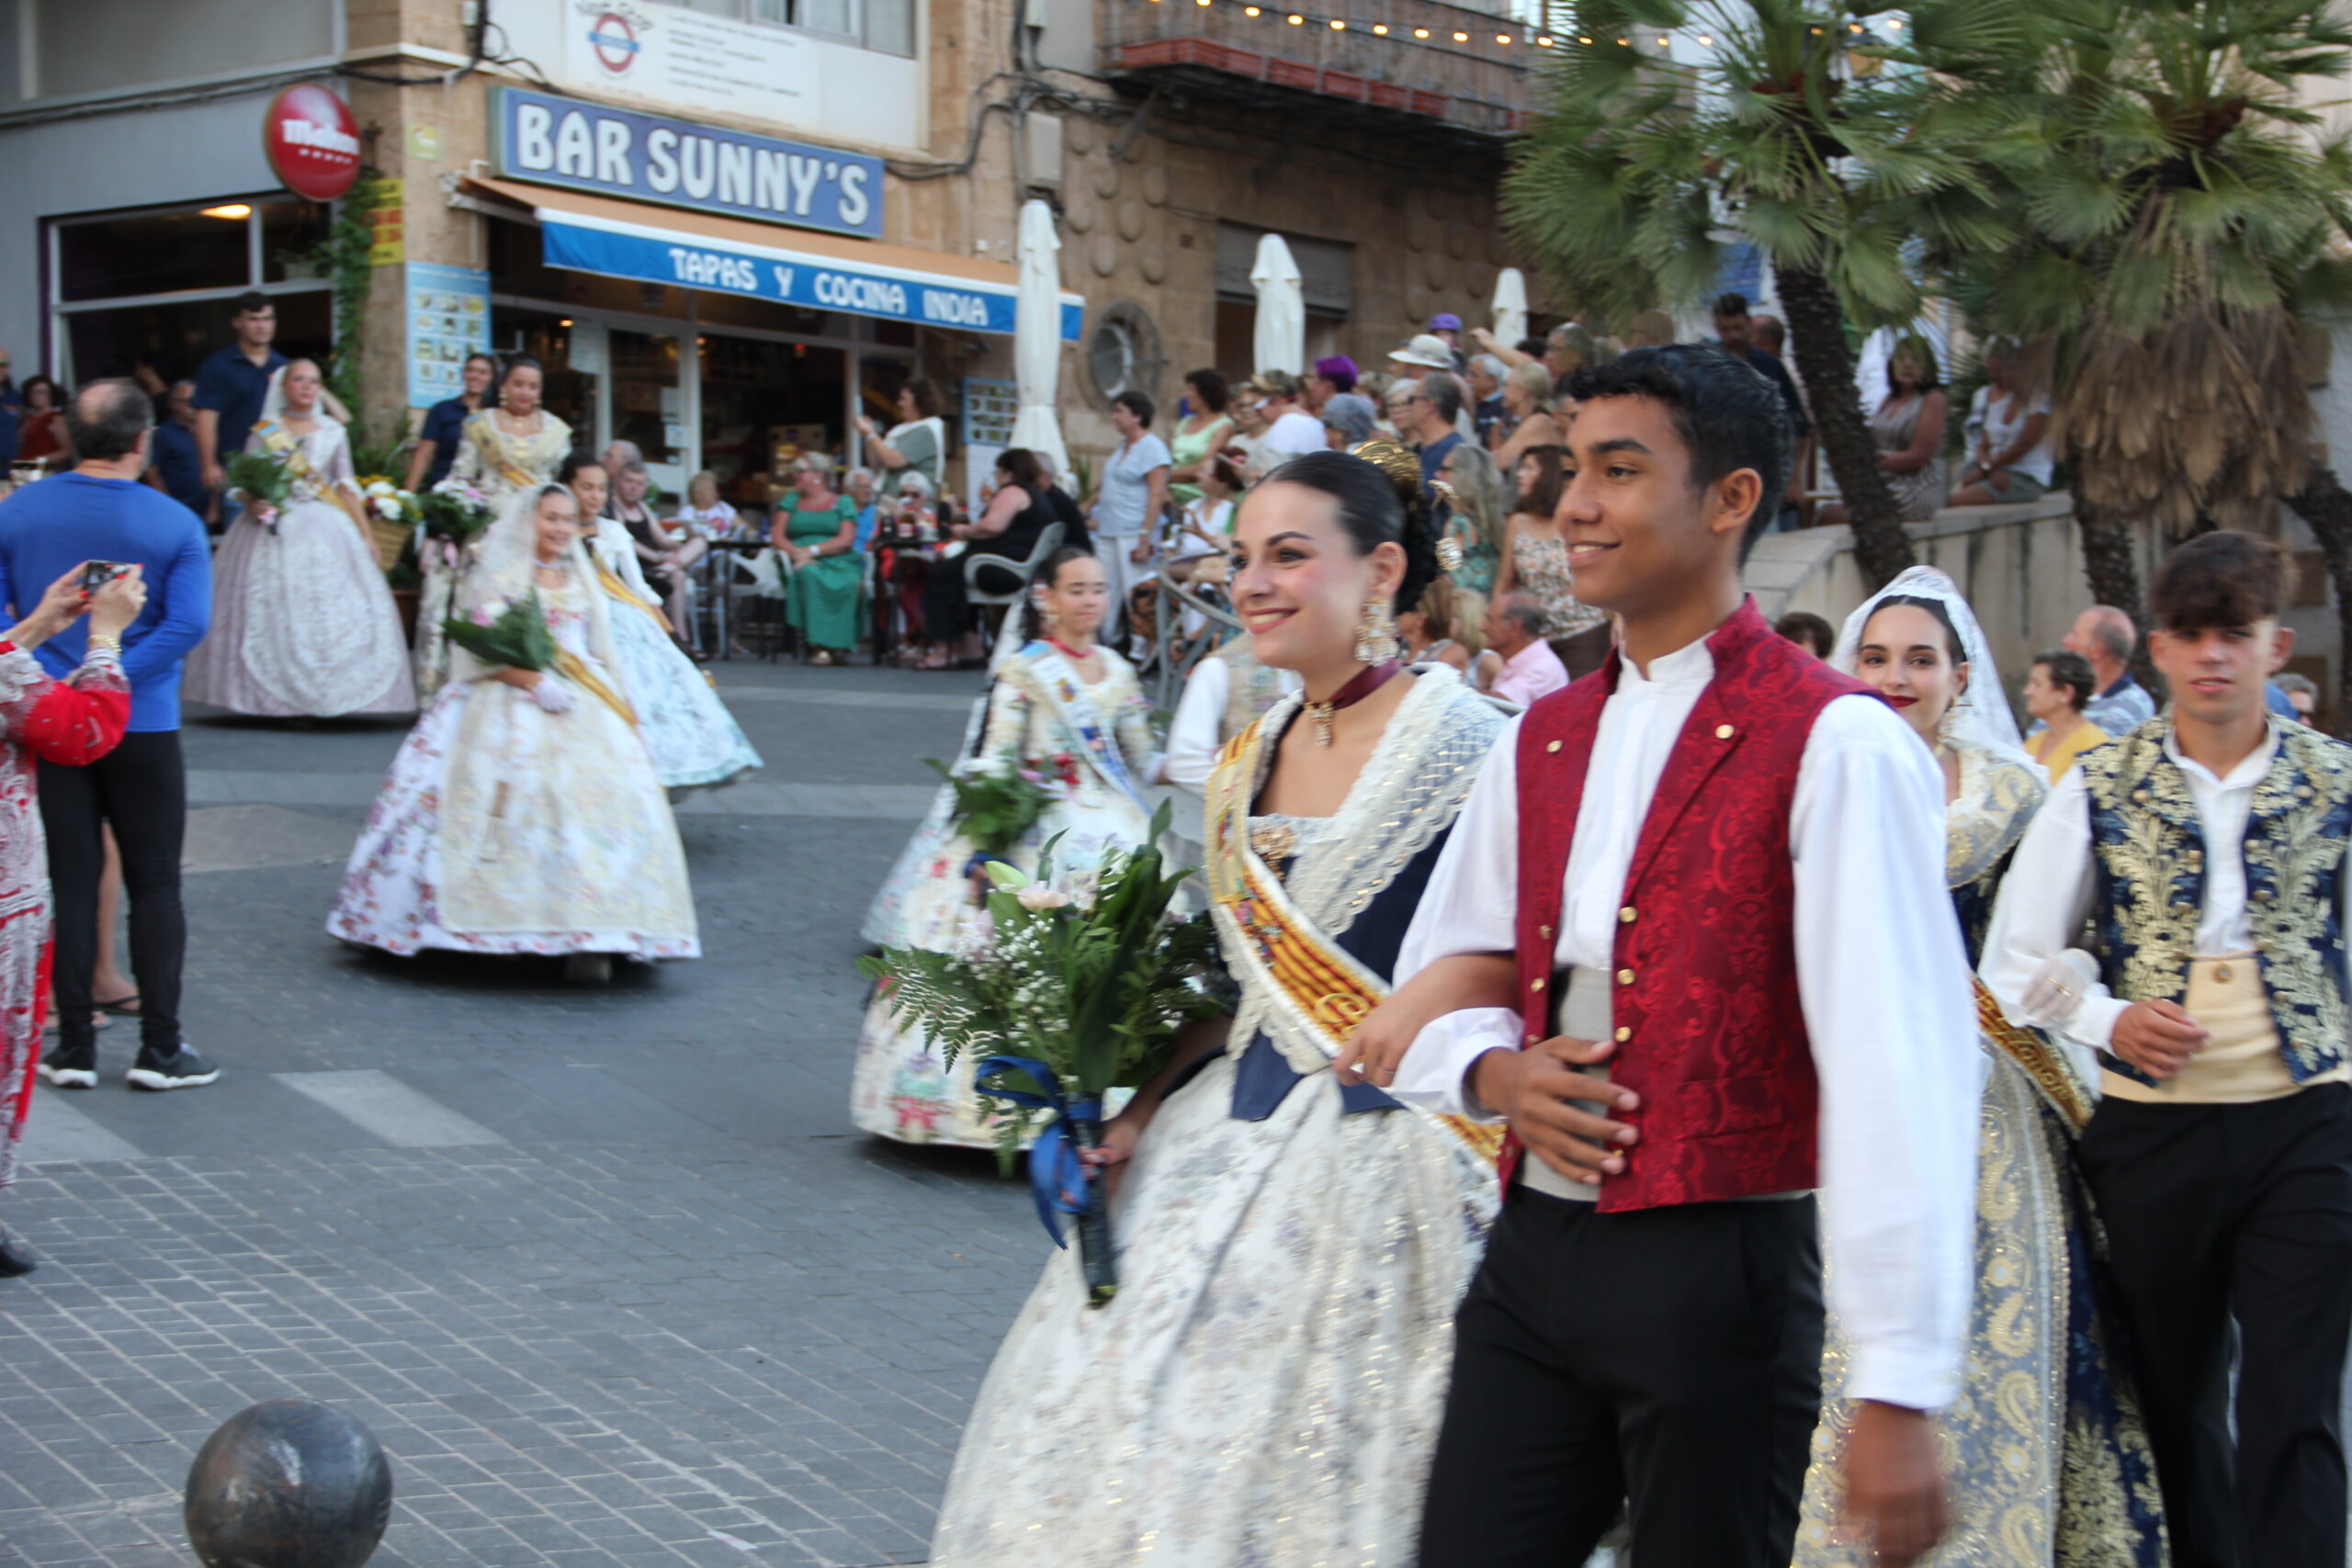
1397	463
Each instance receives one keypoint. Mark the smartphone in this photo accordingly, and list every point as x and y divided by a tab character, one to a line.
96	574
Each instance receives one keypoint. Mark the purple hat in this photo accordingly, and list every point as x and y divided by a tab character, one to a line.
1338	370
1445	322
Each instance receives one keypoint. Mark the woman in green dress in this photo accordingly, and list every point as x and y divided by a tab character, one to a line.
816	534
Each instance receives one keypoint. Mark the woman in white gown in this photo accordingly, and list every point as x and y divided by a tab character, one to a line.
1265	1390
695	741
522	814
513	445
2049	1466
303	623
1063	706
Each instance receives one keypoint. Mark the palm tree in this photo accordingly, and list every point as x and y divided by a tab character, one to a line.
1781	136
2152	202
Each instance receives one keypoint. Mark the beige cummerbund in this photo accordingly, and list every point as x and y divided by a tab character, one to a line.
2243	1062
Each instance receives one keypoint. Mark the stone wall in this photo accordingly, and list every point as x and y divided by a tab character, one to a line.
2022	569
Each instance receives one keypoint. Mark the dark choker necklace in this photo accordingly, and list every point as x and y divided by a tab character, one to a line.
1364	683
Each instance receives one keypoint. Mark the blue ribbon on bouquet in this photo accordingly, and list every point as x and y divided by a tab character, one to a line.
1057	1178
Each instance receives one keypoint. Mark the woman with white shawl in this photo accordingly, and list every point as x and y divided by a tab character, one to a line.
2048	1465
303	623
523	814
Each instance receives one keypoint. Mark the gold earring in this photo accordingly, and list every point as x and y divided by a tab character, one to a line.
1374	639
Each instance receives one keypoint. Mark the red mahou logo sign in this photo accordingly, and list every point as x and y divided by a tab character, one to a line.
312	141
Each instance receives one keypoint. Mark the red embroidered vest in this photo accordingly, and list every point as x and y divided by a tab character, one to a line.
1710	1031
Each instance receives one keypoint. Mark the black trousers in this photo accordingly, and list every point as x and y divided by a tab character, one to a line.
1672	1355
140	790
2244	1212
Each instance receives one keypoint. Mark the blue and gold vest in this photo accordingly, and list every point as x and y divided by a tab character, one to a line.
2149	850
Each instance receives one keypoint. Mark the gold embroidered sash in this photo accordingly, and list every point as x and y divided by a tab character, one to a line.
2041	1061
578	670
622	592
289	446
1316	985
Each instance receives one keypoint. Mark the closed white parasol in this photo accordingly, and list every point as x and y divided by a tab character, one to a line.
1037	338
1510	309
1280	342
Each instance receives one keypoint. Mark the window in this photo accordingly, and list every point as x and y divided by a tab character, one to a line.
1124	352
152	288
89	46
888	26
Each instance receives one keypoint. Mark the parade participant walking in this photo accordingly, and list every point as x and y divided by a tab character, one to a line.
693	741
522	814
1065	708
1637	1328
231	384
2206	850
1266	1387
2046	1444
513	446
71	722
99	512
303	623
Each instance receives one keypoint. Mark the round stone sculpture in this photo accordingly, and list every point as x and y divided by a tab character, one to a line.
289	1484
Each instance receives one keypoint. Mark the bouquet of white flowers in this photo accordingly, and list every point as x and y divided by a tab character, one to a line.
1066	998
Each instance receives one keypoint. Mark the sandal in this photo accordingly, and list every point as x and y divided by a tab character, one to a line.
127	1007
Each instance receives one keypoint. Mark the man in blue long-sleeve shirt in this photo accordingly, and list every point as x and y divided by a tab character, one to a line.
100	512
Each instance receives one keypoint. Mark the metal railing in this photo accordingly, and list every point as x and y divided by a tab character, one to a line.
1470	68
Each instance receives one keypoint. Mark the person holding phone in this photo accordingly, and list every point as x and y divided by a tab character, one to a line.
70	722
99	510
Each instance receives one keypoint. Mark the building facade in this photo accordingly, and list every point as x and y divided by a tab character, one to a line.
728	228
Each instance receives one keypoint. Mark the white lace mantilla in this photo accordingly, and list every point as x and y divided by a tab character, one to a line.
1408	793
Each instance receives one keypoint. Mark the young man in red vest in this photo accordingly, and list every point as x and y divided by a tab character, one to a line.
1709	879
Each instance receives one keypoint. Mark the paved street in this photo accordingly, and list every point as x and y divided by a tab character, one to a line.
604	1269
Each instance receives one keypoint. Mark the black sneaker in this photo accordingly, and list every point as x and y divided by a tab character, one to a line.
16	1261
71	1066
184	1070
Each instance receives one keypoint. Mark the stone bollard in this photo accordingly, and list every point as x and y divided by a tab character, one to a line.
289	1484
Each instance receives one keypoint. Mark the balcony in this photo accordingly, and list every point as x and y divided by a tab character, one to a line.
1452	69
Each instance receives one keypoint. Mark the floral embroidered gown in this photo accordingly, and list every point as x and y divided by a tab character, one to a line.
1038	711
506	828
1265	1390
303	623
2050	1467
695	741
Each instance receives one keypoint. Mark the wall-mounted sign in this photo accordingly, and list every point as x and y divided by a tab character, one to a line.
312	141
387	224
787	277
680	58
449	317
645	157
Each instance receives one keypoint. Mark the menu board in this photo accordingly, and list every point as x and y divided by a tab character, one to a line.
989	409
449	317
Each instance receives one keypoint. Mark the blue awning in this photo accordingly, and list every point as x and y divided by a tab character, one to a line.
818	272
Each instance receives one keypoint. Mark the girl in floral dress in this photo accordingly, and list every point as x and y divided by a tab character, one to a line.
523	814
1063	706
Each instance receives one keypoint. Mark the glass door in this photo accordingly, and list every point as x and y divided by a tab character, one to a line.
648	404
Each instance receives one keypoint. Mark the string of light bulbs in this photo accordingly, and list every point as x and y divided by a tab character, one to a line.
1541	40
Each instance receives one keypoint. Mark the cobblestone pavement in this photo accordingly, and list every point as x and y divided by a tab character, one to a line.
605	1270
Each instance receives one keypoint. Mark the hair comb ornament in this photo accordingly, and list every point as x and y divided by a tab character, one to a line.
1396	460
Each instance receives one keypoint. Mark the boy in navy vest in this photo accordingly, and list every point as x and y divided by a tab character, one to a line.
2204	849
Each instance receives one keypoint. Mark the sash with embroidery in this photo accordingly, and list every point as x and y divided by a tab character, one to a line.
2044	1065
621	590
581	673
1315	987
289	448
1072	705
